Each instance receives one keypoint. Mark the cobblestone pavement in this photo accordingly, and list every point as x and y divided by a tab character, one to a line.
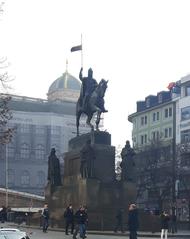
37	234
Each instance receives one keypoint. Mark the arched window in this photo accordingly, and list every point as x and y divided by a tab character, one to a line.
24	151
25	178
40	152
41	178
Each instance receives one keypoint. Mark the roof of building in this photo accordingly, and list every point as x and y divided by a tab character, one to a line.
23	194
29	104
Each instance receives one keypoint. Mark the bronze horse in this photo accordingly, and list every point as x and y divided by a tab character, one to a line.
94	104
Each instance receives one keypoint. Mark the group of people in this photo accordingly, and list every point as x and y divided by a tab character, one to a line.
133	222
76	221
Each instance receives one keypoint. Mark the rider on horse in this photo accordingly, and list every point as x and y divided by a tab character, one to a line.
89	84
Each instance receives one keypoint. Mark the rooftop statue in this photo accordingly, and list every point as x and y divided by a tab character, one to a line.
91	99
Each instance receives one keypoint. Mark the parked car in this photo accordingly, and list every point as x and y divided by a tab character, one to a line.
7	229
13	233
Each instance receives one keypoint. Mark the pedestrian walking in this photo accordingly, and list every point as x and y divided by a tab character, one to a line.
119	221
174	224
45	218
81	218
3	214
133	222
69	219
164	225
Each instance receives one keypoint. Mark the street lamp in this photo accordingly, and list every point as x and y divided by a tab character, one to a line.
6	176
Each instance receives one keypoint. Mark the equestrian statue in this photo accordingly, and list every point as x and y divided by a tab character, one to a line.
91	99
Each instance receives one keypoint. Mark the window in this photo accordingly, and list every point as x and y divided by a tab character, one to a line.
170	132
25	178
160	98
154	117
25	128
40	152
55	130
170	111
41	178
144	120
24	151
185	113
166	133
145	138
142	139
148	102
39	129
185	136
158	116
187	90
155	135
166	113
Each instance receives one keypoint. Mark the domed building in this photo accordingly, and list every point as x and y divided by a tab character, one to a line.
41	124
65	88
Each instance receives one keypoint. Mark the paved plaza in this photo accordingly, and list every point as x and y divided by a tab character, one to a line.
37	234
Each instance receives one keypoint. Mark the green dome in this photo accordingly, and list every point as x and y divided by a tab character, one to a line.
66	81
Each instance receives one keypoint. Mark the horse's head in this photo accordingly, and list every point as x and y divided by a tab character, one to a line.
102	86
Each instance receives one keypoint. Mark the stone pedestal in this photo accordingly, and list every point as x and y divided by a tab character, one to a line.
102	194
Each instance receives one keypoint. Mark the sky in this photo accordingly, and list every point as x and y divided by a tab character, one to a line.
140	46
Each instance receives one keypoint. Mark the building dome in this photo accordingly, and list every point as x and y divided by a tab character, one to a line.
65	88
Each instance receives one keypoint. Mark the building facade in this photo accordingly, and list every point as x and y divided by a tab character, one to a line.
161	138
39	125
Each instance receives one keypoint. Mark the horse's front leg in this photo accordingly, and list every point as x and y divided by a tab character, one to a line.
77	121
98	120
88	121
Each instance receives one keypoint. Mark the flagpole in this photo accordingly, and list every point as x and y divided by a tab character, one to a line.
81	52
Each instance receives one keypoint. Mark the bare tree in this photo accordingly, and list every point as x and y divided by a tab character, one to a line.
154	172
183	153
5	114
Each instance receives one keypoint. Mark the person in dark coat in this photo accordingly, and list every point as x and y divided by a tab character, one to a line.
81	218
164	224
119	220
69	219
133	222
45	218
3	214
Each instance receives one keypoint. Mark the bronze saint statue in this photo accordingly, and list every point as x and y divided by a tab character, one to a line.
91	99
87	157
54	174
128	163
89	84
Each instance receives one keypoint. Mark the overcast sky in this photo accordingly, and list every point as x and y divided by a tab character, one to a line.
138	45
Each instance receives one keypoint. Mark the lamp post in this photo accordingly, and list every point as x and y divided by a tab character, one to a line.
6	176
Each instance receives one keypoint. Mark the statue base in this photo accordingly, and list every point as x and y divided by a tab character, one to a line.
103	195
